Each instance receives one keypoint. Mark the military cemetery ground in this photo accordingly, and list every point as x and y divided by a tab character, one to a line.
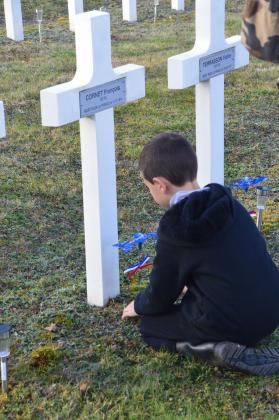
69	359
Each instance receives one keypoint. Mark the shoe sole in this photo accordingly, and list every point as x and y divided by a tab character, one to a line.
262	362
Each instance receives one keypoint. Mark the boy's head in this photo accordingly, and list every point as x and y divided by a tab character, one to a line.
168	164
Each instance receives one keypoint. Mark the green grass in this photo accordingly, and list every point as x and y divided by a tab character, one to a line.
94	365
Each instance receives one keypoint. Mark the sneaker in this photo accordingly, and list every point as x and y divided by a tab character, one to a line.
234	356
263	361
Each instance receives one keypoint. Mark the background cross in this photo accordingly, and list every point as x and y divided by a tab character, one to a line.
74	7
2	121
204	66
13	18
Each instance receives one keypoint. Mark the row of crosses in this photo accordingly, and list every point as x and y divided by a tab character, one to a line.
14	24
90	97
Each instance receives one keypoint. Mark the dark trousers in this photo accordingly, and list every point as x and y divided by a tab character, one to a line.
165	330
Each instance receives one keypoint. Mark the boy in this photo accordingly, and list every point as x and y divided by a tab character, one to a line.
207	243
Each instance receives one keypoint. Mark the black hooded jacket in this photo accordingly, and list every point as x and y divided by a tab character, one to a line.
209	243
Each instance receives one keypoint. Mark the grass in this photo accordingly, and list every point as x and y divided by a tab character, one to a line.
92	365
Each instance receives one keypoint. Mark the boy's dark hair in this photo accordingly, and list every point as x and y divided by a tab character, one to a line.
171	156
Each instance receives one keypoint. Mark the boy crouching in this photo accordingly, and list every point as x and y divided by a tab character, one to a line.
208	246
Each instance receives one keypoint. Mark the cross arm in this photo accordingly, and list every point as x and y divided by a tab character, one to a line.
183	69
135	80
60	104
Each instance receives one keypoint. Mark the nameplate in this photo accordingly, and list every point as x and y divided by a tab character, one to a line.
217	63
102	97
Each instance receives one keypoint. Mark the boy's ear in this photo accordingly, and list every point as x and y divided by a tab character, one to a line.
161	183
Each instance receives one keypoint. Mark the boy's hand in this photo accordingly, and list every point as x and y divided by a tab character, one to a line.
129	311
183	293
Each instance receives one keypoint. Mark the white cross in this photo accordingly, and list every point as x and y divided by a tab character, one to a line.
199	67
74	7
129	8
177	5
13	17
2	121
68	102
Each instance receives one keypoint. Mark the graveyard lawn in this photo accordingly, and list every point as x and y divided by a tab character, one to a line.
70	360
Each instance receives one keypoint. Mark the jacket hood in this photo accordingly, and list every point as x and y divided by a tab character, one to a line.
198	217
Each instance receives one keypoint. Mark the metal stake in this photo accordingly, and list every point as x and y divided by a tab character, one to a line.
261	204
4	375
39	13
